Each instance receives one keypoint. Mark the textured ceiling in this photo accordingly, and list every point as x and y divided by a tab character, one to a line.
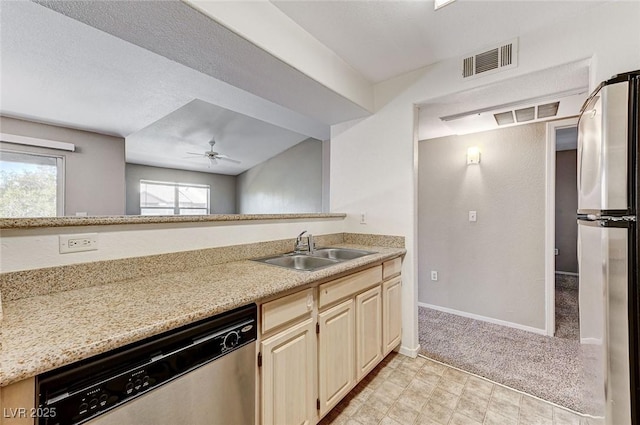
182	34
382	39
165	143
60	71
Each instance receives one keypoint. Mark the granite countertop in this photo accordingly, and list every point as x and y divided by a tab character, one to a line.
34	222
42	333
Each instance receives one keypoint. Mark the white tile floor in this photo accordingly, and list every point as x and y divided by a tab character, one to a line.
406	391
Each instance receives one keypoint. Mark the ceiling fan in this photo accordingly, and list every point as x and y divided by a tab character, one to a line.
214	156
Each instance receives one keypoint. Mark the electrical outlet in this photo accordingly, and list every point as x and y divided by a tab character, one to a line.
363	218
555	251
78	243
434	275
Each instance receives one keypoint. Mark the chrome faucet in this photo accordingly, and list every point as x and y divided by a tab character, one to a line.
311	244
308	247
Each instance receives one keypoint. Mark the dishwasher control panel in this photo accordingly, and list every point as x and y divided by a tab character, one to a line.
84	390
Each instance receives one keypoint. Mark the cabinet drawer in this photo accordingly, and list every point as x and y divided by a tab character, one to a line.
347	286
286	309
391	268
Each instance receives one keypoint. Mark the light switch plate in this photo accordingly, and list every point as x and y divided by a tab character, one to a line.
473	216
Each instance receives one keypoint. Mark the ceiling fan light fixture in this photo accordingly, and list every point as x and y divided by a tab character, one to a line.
441	3
214	156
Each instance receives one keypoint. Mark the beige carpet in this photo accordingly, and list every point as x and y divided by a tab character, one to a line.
555	369
567	314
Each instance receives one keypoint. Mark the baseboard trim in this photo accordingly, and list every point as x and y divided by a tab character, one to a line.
485	319
591	341
568	274
411	352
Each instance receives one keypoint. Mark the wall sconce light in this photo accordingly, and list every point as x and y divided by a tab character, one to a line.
473	156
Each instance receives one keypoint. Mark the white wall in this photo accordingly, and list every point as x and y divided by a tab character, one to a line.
289	182
36	248
222	187
372	173
493	267
94	173
373	161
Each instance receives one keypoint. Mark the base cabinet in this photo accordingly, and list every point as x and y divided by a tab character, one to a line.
17	403
336	351
368	331
391	314
317	344
288	384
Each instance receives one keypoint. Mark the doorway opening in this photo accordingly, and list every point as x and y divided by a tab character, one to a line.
567	324
561	240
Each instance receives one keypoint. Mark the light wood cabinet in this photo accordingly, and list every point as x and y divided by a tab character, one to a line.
391	268
287	309
336	351
348	286
17	403
288	384
368	331
313	354
391	314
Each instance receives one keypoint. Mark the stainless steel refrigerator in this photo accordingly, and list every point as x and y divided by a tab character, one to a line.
608	246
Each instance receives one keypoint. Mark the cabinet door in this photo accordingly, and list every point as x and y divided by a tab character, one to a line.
16	403
288	365
336	354
368	331
391	314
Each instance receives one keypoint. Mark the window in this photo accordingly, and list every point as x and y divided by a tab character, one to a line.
31	185
165	198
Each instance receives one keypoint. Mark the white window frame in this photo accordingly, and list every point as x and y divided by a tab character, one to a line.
176	198
60	179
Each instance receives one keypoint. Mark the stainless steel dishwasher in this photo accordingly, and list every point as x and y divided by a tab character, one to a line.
203	373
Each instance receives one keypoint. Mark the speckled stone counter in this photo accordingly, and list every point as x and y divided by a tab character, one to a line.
26	223
44	332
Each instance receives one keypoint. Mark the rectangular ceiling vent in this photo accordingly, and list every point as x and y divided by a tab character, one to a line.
489	61
528	114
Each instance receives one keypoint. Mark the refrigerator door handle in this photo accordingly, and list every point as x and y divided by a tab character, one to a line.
598	217
588	217
626	218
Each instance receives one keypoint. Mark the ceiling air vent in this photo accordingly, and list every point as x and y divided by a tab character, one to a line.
548	110
489	61
504	118
525	114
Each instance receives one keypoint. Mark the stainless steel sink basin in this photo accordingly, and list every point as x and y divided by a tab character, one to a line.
322	257
300	262
341	254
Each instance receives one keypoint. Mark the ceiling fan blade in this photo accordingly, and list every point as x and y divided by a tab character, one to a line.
212	161
226	158
193	153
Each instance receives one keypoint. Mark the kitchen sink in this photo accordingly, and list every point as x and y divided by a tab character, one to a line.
341	254
321	258
299	261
